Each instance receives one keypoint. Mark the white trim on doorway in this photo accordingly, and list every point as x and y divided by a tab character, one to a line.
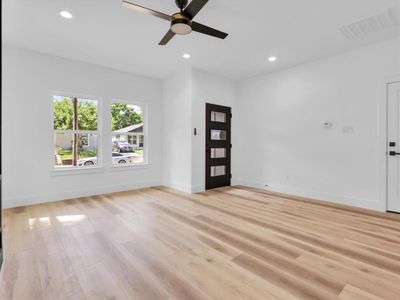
382	139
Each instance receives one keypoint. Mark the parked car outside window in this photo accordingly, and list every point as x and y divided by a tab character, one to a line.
122	147
117	158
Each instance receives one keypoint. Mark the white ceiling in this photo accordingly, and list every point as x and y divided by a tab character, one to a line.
104	33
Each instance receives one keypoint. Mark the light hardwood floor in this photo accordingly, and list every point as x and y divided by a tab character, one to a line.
227	244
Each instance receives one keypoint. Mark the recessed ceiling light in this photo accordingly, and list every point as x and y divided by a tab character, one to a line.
272	58
66	14
186	56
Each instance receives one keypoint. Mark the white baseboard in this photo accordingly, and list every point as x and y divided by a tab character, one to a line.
37	199
197	189
185	188
339	199
43	198
178	186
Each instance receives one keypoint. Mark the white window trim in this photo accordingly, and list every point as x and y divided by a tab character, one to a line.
77	169
144	107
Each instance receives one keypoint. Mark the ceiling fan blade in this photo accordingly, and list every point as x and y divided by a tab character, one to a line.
208	30
145	10
167	37
194	7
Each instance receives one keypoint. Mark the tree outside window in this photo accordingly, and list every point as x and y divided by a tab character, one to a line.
75	131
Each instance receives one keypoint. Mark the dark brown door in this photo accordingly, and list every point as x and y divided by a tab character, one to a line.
218	146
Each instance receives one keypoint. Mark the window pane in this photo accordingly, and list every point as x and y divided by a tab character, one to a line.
87	114
132	139
86	145
126	118
217	171
129	147
218	117
64	113
218	135
218	152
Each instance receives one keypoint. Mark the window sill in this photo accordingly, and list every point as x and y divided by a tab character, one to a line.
76	171
123	167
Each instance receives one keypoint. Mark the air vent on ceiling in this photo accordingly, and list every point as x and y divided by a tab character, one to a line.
372	24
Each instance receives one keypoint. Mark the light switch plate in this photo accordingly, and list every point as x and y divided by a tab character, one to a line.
348	129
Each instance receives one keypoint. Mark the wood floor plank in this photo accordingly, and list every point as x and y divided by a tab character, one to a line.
229	243
175	285
353	293
319	241
276	260
19	277
286	281
367	282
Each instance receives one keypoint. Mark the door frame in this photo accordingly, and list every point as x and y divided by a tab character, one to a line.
383	141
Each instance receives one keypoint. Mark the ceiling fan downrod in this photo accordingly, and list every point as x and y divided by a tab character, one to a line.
181	4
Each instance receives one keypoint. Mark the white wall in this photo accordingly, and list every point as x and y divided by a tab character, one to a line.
278	138
284	145
185	96
29	79
177	91
209	88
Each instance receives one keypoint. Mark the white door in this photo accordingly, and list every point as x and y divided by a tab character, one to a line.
393	147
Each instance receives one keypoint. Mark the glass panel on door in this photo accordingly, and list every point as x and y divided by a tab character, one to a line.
218	135
218	152
218	117
217	171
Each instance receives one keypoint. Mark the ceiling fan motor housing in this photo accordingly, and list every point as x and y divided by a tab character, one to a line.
181	24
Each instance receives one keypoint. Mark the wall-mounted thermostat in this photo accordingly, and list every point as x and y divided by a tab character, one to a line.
328	124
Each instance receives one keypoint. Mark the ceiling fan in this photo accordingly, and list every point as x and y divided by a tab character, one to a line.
181	22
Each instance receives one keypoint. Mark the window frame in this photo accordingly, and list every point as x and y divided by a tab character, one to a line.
144	108
98	132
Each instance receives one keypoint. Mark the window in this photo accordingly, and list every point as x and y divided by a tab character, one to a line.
75	132
128	134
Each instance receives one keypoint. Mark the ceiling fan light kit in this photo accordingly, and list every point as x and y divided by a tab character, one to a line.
181	22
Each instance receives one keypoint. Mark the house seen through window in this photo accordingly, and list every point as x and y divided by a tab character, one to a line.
76	135
128	134
75	132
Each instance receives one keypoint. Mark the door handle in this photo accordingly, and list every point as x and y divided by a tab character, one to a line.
393	153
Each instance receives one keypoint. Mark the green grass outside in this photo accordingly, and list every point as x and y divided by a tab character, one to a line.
67	154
